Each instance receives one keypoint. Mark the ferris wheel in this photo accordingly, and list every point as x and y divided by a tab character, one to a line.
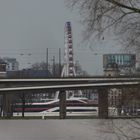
68	69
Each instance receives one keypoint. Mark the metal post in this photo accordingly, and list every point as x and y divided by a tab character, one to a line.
103	103
59	62
53	66
47	59
62	104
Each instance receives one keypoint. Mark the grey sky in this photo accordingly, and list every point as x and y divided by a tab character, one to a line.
31	26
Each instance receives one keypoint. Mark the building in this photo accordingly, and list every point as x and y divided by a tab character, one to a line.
114	95
126	62
11	64
111	69
2	68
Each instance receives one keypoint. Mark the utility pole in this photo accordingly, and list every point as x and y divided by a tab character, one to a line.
60	62
47	59
53	65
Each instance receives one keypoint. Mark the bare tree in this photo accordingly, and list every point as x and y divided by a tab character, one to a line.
23	101
39	66
122	16
55	68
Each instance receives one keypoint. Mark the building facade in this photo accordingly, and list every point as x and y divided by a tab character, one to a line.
11	64
2	69
112	70
126	62
114	95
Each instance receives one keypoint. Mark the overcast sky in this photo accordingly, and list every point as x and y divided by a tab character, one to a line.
31	26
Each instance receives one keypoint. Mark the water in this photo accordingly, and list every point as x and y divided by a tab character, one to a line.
92	129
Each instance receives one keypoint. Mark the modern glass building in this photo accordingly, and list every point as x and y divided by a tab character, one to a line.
123	60
126	62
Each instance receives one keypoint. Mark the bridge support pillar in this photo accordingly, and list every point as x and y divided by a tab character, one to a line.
7	110
103	103
62	104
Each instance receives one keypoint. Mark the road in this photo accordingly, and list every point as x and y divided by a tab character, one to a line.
91	129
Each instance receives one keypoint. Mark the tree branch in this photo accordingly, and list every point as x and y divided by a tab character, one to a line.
124	6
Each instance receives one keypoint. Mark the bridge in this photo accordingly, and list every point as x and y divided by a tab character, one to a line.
68	82
10	86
